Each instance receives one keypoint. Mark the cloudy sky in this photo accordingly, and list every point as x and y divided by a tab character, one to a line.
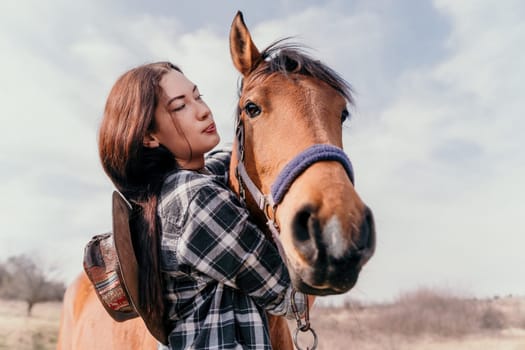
437	135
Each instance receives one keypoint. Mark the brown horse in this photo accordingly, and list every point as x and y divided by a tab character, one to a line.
287	155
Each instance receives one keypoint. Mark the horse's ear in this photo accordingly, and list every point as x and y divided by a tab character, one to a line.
245	54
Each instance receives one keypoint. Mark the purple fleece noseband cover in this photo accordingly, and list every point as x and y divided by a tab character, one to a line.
315	153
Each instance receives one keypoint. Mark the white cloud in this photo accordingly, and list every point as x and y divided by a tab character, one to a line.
447	170
56	73
436	140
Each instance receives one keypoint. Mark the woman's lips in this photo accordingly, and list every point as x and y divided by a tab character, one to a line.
210	129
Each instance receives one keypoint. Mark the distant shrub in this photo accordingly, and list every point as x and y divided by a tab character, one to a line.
493	319
352	304
521	323
427	311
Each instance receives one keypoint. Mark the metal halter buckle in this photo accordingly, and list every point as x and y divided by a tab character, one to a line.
303	327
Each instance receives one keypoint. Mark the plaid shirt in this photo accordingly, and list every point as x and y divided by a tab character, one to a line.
220	272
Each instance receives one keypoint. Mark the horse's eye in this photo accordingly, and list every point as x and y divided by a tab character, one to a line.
252	109
344	115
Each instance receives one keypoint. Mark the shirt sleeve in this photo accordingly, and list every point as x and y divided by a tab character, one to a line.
219	241
218	161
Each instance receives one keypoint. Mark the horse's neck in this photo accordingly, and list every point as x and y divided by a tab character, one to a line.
279	331
233	183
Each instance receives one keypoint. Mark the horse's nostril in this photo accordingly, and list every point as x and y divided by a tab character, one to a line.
367	232
300	224
305	229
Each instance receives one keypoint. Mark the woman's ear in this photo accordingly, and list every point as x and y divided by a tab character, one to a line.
150	141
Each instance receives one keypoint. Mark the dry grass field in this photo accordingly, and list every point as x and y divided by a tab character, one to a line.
38	332
422	320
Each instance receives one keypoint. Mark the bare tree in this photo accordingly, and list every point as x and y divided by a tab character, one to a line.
3	275
26	280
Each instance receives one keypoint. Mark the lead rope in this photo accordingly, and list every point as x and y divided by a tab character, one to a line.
264	202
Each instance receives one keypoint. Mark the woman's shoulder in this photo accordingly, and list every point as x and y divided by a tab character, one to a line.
182	186
218	161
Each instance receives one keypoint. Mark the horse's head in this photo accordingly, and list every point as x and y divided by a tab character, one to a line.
291	110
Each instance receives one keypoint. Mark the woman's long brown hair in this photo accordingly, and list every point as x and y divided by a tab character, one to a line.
137	171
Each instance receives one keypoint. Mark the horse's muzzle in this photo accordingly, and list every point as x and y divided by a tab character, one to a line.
330	258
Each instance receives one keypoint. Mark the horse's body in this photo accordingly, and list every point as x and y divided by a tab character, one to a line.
85	324
326	231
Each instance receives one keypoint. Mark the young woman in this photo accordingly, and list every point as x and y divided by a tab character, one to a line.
219	273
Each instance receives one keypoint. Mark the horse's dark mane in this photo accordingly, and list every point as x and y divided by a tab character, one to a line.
285	57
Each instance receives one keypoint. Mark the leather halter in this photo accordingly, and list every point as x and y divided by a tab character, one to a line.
267	202
270	201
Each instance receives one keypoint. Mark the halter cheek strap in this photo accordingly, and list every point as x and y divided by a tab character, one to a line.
313	154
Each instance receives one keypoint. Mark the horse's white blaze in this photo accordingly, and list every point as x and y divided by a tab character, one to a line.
333	238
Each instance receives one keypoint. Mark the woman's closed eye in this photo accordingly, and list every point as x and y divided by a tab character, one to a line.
197	97
178	108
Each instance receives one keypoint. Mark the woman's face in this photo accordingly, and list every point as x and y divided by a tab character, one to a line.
183	122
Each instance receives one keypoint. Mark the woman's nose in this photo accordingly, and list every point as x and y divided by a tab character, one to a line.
203	111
